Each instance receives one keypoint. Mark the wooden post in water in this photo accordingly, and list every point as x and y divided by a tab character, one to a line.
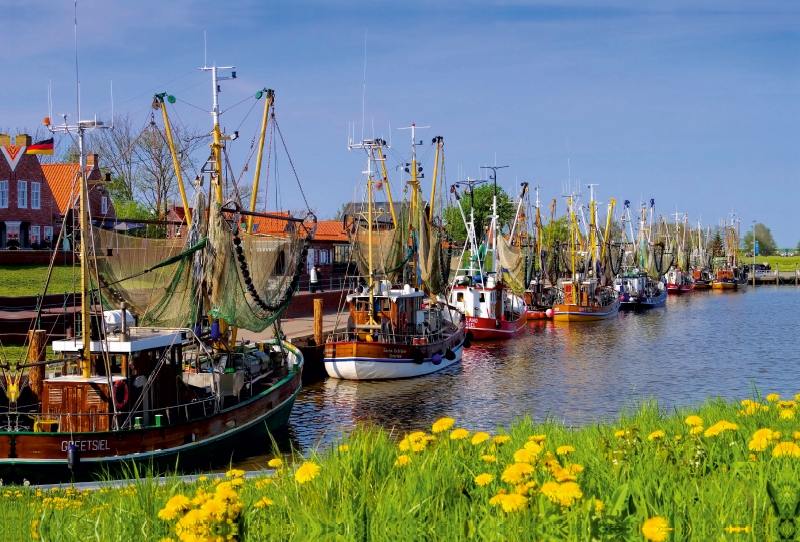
318	338
36	352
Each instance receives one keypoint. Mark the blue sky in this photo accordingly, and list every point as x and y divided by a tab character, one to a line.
693	104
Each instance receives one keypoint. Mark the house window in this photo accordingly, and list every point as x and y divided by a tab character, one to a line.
341	253
48	233
104	205
323	257
34	235
36	195
3	194
22	194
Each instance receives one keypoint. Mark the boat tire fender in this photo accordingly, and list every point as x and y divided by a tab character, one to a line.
450	355
466	344
469	336
417	356
497	324
121	384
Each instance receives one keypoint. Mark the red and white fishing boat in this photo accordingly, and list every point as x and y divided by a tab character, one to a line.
492	311
679	282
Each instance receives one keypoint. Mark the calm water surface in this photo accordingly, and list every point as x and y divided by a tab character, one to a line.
702	344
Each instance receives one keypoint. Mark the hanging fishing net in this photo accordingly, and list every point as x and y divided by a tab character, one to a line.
251	278
158	278
512	262
390	252
432	254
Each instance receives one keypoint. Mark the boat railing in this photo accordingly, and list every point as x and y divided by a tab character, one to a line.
392	338
21	420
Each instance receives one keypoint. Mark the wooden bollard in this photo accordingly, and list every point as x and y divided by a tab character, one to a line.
318	337
37	351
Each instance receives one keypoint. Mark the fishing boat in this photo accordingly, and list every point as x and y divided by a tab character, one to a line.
154	375
539	295
585	295
396	331
638	289
727	273
491	308
701	270
702	278
679	281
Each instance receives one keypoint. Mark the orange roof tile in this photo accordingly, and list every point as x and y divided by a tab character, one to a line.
61	178
271	226
331	230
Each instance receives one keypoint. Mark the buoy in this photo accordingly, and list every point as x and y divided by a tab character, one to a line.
549	313
73	456
436	359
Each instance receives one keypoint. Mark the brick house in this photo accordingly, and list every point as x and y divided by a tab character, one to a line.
35	197
28	210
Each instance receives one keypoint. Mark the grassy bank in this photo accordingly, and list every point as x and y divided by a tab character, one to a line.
22	280
723	471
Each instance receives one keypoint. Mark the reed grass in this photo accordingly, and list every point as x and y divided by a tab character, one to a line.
621	480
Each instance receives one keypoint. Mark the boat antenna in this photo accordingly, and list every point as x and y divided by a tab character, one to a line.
364	89
77	78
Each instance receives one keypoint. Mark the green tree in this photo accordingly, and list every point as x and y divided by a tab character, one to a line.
717	247
483	208
766	243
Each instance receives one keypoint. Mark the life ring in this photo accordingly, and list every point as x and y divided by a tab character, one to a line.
403	319
124	401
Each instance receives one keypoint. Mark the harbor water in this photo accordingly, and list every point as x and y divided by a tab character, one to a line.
701	345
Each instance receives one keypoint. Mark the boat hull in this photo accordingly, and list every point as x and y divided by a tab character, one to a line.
720	285
198	444
645	303
490	329
680	288
368	365
579	313
702	285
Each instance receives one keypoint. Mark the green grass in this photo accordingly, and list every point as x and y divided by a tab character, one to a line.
19	353
699	484
24	280
786	263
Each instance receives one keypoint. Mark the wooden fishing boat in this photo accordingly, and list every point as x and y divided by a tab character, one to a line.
584	301
728	275
702	278
396	332
158	379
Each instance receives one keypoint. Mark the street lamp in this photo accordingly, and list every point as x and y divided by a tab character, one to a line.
755	251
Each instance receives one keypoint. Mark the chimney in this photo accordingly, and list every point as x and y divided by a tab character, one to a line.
23	140
91	161
5	140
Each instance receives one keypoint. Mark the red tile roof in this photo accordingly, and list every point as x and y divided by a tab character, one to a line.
61	178
331	230
272	226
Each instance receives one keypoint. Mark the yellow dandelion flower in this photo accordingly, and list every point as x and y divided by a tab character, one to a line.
796	435
214	509
524	489
459	434
538	439
168	514
786	414
678	437
786	449
263	502
514	474
202	479
564	450
656	529
760	440
731	529
776	435
442	424
484	479
693	420
479	438
797	397
568	493
620	433
501	439
237	481
773	398
234	473
550	463
275	462
787	404
498	499
524	456
697	429
599	506
752	457
402	460
765	408
513	502
419	446
344	448
575	468
307	472
658	433
416	436
563	475
488	458
550	490
533	447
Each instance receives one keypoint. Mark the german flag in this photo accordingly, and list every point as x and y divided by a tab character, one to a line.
41	147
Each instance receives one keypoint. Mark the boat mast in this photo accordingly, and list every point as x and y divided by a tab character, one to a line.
80	130
494	217
592	226
216	145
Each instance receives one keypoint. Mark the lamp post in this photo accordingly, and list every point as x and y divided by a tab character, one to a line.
755	250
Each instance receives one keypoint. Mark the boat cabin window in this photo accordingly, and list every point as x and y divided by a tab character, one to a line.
482	298
460	297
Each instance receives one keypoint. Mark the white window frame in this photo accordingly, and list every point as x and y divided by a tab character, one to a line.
48	233
35	231
22	194
3	194
36	195
104	205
